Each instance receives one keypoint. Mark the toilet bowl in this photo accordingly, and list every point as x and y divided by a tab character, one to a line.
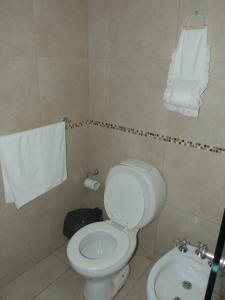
100	249
134	196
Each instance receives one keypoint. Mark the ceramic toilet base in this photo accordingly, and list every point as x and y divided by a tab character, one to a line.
105	288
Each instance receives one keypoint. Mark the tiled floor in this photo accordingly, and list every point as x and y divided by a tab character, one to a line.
53	279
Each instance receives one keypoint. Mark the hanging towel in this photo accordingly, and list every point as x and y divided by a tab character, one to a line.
188	73
33	162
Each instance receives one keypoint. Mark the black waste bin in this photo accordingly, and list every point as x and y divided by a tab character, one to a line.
79	218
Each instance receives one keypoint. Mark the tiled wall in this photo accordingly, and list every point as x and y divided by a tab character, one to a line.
43	77
130	46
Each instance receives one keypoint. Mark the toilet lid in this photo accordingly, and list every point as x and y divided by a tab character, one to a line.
124	200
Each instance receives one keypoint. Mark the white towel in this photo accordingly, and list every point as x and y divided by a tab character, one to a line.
33	162
188	73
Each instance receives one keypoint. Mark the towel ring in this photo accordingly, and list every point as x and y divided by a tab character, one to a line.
196	14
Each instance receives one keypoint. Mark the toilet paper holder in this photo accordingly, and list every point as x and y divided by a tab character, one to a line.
94	173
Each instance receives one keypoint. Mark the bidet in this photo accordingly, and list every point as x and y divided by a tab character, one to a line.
178	275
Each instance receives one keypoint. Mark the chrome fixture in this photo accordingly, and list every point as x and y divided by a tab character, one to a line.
182	245
94	173
203	252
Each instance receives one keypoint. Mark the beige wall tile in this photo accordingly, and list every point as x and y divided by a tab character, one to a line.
72	194
99	89
195	181
16	33
77	143
24	7
209	126
61	28
176	224
36	92
147	239
99	28
115	146
215	12
63	88
137	88
20	106
100	151
26	236
143	29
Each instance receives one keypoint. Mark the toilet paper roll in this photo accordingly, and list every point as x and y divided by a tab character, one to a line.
91	184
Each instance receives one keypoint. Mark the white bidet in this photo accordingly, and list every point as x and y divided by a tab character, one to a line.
178	276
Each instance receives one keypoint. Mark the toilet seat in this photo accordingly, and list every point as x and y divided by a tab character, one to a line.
98	266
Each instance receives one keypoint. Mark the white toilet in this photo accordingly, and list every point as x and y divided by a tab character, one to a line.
134	196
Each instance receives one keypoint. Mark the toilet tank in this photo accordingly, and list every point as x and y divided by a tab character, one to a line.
152	185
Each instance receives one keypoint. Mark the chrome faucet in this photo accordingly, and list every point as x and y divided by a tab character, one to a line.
182	245
203	252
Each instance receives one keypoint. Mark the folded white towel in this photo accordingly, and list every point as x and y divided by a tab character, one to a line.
33	162
188	73
184	97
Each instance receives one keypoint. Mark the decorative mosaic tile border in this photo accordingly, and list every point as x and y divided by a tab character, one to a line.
147	134
70	125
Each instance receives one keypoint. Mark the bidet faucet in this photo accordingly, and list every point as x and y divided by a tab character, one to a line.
182	245
203	252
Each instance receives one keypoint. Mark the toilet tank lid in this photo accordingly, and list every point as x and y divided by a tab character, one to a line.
139	165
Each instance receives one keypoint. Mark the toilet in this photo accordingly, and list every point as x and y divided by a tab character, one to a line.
134	196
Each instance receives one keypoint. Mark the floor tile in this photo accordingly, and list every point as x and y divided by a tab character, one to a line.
68	286
138	292
52	278
60	253
138	266
34	280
